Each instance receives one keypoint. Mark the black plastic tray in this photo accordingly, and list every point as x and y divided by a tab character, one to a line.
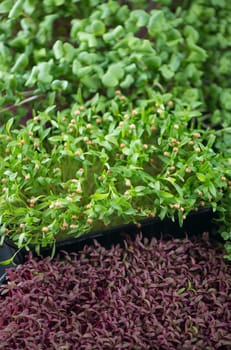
195	224
7	250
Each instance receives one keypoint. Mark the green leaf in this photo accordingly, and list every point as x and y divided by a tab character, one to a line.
163	212
53	250
191	95
191	34
152	61
114	107
139	188
9	125
91	81
16	9
180	291
99	196
212	189
59	2
21	239
29	6
98	28
225	99
201	177
55	139
117	70
76	65
127	82
195	329
58	49
167	72
7	262
226	235
32	77
155	185
175	62
83	71
166	194
88	38
140	16
157	23
114	73
106	145
174	38
44	75
109	80
21	62
178	188
113	34
59	85
197	54
112	139
10	260
20	212
69	52
6	5
131	68
12	176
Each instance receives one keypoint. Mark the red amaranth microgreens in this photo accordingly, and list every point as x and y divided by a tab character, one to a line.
147	295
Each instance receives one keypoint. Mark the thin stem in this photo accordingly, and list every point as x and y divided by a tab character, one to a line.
221	130
29	99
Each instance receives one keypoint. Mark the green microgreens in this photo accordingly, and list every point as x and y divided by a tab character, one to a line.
55	55
84	169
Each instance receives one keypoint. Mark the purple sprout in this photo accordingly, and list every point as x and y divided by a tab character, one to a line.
164	295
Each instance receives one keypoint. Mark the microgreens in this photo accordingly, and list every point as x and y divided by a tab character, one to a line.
95	46
122	99
145	295
103	163
214	37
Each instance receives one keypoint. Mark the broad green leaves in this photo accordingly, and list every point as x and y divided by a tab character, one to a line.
157	23
99	47
113	75
98	28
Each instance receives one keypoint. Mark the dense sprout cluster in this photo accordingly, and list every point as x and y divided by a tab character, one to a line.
56	55
211	22
103	163
97	48
145	295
